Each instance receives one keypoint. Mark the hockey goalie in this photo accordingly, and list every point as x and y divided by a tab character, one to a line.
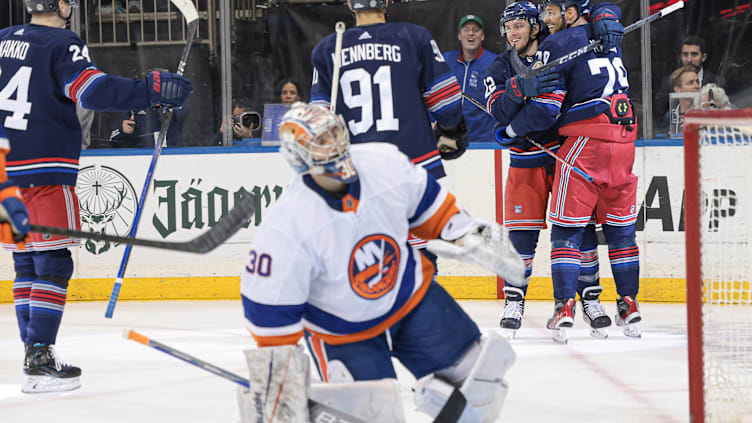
331	263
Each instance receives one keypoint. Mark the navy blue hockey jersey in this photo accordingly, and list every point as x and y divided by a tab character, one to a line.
522	153
392	75
589	83
44	72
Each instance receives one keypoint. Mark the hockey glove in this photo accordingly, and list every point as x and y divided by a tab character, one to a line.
453	142
608	29
167	89
14	218
502	136
487	244
519	88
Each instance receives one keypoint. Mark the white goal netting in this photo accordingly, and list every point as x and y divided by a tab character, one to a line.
725	164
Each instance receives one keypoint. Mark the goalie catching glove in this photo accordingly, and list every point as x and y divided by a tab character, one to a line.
471	240
452	142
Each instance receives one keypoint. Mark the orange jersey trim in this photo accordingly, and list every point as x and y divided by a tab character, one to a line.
275	341
3	175
431	228
428	271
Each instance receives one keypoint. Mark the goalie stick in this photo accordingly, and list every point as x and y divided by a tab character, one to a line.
576	169
315	408
188	10
527	72
450	413
209	240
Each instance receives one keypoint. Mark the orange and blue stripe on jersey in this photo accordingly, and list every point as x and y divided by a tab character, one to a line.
272	325
434	210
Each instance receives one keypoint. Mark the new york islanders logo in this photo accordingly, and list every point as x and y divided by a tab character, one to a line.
374	266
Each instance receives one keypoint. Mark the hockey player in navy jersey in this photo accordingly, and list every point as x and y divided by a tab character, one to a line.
46	69
597	118
531	170
393	76
332	259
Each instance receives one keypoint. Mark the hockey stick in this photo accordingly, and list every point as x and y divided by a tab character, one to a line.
318	411
527	72
339	29
537	144
209	240
188	10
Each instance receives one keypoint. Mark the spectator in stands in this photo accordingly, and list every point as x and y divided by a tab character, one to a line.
469	64
693	51
714	97
289	91
140	129
245	122
683	80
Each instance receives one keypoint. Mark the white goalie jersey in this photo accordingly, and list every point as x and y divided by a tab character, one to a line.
341	267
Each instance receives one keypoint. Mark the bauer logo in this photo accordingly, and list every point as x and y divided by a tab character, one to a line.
374	266
107	201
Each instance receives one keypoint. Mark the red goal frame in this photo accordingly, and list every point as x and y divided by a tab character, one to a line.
692	232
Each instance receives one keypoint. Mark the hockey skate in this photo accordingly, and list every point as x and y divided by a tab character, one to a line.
45	372
562	319
594	313
514	307
628	316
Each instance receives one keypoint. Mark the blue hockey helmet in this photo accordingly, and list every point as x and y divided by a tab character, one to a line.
519	10
357	5
43	6
583	6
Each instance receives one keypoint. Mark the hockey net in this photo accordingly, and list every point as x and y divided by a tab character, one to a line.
718	184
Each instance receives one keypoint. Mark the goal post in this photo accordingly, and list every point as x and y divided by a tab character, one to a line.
718	234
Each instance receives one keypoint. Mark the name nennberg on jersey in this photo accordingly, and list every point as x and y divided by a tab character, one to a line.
370	51
14	49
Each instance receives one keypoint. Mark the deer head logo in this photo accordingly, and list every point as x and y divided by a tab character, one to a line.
107	202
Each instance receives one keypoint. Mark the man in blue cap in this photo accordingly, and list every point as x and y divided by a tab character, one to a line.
469	64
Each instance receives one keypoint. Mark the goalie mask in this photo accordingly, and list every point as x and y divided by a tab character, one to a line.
315	141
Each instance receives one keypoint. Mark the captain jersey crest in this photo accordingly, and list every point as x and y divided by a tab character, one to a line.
374	266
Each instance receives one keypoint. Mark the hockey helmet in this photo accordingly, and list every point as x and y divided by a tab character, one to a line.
583	6
356	5
316	141
43	6
519	10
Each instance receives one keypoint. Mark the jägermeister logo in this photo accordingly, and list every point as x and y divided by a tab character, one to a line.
107	201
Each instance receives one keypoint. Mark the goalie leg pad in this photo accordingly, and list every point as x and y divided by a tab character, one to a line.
279	382
484	387
369	401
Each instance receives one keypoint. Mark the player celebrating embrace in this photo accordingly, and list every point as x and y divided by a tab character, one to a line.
392	76
332	258
597	119
46	70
